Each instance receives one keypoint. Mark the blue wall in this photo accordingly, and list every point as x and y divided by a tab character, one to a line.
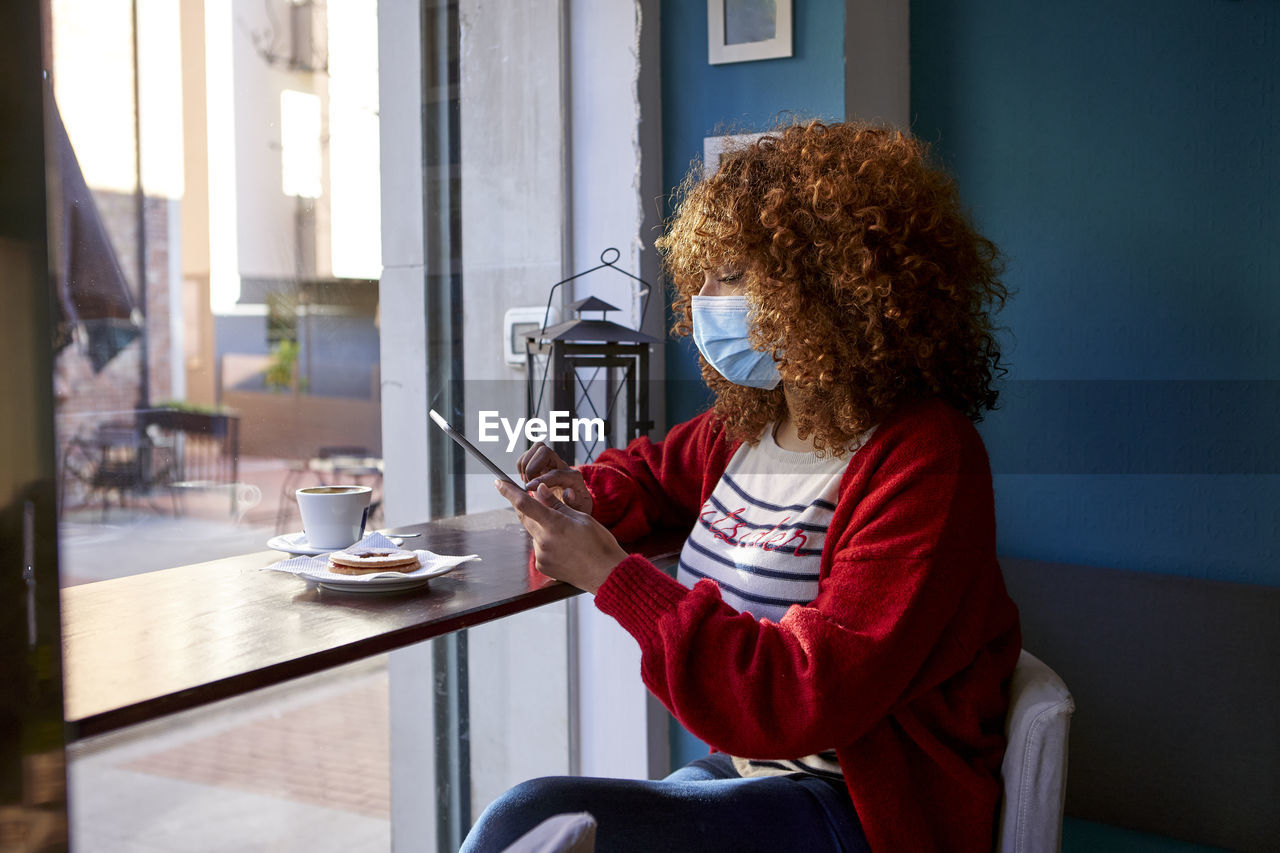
1124	157
700	100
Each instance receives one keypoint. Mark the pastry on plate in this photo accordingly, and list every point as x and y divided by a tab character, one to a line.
369	560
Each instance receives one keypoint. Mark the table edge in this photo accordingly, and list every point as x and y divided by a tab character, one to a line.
243	683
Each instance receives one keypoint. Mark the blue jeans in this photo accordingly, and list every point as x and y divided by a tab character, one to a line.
704	806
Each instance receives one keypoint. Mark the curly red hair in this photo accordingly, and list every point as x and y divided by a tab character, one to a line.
869	285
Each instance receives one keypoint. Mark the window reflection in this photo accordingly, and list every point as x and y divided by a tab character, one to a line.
258	323
218	259
222	331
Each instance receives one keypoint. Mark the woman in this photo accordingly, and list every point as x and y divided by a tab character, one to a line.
838	630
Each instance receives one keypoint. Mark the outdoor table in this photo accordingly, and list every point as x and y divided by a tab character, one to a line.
140	647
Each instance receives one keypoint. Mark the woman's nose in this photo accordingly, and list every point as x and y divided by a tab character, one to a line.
710	284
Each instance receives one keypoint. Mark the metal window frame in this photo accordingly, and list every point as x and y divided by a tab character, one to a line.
442	239
32	736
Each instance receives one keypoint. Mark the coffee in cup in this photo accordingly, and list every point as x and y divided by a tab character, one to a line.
333	516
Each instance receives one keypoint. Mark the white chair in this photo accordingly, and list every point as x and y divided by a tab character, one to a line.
573	832
1034	771
1035	760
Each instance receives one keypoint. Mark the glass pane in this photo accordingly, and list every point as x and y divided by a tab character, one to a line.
218	250
218	260
302	766
219	265
512	215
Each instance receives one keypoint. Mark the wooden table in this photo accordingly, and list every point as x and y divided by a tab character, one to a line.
140	647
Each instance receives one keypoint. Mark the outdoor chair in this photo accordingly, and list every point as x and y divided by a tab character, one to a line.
114	458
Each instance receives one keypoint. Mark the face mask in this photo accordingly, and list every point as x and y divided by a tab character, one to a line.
720	325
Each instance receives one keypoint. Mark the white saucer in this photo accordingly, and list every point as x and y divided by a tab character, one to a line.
296	543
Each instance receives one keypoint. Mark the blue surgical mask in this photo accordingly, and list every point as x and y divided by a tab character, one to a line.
720	326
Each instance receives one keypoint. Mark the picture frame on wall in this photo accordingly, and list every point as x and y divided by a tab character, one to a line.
747	30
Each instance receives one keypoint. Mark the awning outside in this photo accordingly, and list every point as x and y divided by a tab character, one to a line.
95	306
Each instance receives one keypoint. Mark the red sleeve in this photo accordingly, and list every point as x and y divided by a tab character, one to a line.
648	488
911	541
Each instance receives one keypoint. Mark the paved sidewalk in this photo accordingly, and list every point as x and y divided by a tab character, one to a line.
146	535
302	766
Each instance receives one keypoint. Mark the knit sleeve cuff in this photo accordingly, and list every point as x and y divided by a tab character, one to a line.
638	595
606	508
614	506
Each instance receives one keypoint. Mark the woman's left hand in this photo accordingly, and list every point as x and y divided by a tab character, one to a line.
568	545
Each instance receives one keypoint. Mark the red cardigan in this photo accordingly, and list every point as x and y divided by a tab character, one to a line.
901	663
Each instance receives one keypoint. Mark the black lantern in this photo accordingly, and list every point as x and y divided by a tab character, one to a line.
589	378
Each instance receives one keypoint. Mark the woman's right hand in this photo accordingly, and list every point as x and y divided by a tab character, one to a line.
540	465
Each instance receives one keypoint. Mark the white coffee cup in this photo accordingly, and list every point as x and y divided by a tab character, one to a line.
333	516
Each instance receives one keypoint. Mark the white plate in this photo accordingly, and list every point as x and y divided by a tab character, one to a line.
296	543
384	582
374	586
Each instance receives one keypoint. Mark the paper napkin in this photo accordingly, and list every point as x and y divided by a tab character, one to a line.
317	568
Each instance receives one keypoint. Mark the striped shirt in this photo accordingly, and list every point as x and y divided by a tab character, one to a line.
759	536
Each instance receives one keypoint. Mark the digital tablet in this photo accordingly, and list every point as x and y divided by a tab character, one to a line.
472	449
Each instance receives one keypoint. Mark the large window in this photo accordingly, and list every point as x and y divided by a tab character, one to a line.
219	260
218	249
241	297
286	228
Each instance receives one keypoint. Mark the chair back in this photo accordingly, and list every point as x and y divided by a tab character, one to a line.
571	832
1035	759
